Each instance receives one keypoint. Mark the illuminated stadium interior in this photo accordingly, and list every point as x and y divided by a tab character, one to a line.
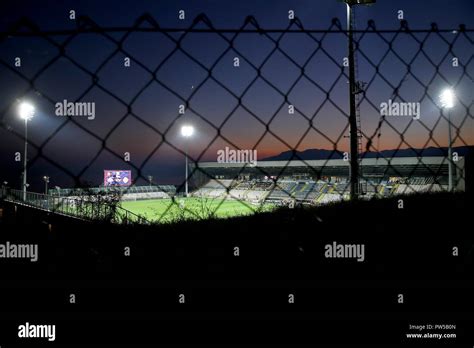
321	181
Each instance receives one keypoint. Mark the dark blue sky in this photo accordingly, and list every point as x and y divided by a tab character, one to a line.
270	14
76	149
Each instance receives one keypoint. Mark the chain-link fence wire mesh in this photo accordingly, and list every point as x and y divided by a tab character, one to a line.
409	66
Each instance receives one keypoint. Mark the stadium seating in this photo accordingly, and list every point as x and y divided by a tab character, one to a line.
143	196
130	193
310	191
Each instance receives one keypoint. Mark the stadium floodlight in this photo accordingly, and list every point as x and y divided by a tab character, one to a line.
186	131
447	98
447	102
26	112
359	2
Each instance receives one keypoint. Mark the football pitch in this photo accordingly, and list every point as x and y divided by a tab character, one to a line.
167	210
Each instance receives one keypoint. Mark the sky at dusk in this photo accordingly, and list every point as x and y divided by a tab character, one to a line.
223	109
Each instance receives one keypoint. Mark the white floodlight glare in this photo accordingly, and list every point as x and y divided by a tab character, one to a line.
447	98
187	131
359	2
26	111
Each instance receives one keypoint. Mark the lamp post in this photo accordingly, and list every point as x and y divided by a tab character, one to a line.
150	180
46	182
4	188
26	111
447	102
186	131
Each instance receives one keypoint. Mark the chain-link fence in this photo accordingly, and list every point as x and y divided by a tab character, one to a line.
244	95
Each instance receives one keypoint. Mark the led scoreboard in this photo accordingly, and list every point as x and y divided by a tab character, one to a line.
117	177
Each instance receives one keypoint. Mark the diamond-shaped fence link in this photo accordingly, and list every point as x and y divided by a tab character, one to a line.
283	78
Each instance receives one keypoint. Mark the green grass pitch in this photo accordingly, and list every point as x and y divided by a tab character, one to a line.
165	210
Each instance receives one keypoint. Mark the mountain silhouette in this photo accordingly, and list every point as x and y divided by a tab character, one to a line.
323	154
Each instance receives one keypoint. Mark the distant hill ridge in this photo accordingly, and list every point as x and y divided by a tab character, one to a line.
322	154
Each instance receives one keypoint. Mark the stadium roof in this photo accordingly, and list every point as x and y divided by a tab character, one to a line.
394	161
395	166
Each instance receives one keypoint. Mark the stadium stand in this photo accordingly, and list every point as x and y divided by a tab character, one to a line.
130	193
325	181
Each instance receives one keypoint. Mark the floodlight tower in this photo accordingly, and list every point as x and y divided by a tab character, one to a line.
447	102
26	111
186	131
354	131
